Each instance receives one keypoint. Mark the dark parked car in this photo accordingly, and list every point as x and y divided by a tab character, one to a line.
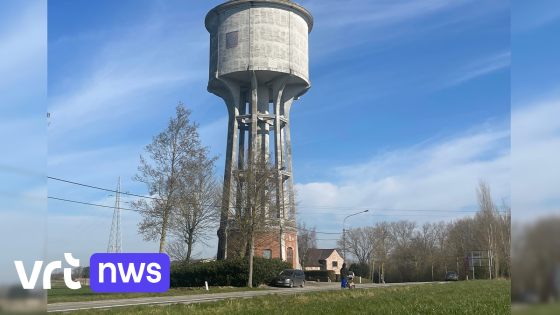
451	276
290	278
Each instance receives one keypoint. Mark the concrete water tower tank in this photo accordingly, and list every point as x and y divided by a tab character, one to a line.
259	64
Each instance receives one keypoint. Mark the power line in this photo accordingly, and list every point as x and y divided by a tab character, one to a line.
317	232
76	227
404	210
94	187
379	215
383	215
386	209
299	206
122	192
84	232
324	207
90	204
96	205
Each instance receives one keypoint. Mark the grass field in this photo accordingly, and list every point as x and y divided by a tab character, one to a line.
59	295
472	297
544	309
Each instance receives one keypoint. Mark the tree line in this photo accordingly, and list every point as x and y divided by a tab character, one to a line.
404	251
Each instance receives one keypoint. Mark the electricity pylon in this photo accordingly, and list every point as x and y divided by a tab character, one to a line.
115	239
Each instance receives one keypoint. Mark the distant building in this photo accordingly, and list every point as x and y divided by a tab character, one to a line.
324	259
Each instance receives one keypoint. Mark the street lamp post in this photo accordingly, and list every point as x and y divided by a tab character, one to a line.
344	231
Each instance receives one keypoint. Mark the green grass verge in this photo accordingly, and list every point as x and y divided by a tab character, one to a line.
59	295
472	297
544	309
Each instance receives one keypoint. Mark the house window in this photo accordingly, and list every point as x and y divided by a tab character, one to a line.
335	263
290	254
267	254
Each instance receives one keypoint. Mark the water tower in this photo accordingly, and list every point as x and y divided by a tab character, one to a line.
259	64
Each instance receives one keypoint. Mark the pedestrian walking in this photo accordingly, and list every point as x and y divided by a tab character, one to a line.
343	276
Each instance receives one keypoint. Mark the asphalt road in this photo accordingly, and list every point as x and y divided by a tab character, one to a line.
188	299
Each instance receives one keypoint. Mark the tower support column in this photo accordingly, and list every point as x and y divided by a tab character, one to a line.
230	92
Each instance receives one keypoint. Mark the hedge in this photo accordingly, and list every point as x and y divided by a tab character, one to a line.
360	270
317	274
228	272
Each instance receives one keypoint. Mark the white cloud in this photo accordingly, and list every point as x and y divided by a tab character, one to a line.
382	12
536	151
126	70
481	67
432	175
23	46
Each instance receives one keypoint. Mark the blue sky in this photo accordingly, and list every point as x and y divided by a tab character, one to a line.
23	127
535	110
409	107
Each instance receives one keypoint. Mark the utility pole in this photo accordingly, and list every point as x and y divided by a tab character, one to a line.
490	263
344	231
115	238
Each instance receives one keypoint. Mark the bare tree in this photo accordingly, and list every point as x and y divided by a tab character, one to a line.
77	272
177	250
429	244
505	236
402	236
459	239
357	243
373	246
196	211
254	188
307	240
169	152
382	235
441	235
415	253
486	217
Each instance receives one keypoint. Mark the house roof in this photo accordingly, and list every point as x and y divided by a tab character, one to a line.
316	255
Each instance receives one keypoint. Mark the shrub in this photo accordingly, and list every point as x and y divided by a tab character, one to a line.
227	272
360	270
320	274
85	272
